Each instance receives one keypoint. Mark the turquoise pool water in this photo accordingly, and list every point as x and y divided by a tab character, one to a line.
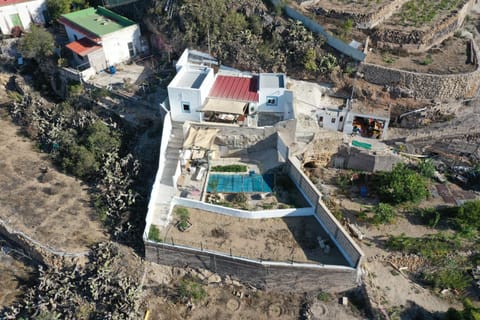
235	183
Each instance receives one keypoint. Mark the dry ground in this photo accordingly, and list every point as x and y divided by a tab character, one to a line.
277	239
37	199
13	274
229	300
450	57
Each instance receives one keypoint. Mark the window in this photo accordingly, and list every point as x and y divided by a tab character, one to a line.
186	107
320	119
341	119
16	20
334	119
272	101
130	49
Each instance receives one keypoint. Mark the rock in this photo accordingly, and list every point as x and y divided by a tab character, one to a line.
236	283
214	278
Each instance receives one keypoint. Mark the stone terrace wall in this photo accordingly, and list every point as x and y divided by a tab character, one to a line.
265	275
363	20
425	85
414	41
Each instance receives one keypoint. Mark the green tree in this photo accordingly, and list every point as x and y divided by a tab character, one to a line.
346	27
467	216
100	139
80	162
37	44
401	185
309	60
468	313
58	7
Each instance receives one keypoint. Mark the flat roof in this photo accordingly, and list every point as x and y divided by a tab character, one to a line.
235	88
360	108
272	80
97	21
83	46
189	77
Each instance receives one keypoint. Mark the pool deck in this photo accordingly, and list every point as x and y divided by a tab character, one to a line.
259	162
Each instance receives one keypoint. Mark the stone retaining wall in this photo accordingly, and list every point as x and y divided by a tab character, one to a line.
426	85
363	20
417	40
264	275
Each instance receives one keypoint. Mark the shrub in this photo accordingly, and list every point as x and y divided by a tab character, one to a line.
230	168
154	233
240	197
401	185
431	246
451	278
429	216
383	213
426	168
324	296
182	213
191	289
467	216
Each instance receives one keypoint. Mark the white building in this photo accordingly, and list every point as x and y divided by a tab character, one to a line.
188	91
356	118
197	94
100	38
21	13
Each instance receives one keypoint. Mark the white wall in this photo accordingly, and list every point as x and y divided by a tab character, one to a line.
25	10
115	44
195	97
177	96
271	92
328	115
261	214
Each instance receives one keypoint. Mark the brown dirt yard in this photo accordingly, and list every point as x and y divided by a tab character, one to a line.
13	274
276	239
448	58
227	299
40	201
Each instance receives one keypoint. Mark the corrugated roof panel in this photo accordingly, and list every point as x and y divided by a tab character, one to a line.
83	46
235	88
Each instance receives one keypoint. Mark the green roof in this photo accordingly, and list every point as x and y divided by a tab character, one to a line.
99	21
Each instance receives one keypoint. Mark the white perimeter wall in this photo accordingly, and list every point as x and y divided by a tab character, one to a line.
261	214
25	10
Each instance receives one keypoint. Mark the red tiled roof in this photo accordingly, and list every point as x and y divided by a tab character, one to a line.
235	88
83	46
9	2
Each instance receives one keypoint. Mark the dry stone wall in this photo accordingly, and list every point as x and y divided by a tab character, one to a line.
425	85
365	20
417	40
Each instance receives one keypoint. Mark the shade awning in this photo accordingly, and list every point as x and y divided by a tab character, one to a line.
83	46
200	138
225	106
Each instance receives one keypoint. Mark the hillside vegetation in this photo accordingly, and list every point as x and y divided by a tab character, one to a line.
242	34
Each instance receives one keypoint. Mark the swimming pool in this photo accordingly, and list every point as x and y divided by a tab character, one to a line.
234	183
